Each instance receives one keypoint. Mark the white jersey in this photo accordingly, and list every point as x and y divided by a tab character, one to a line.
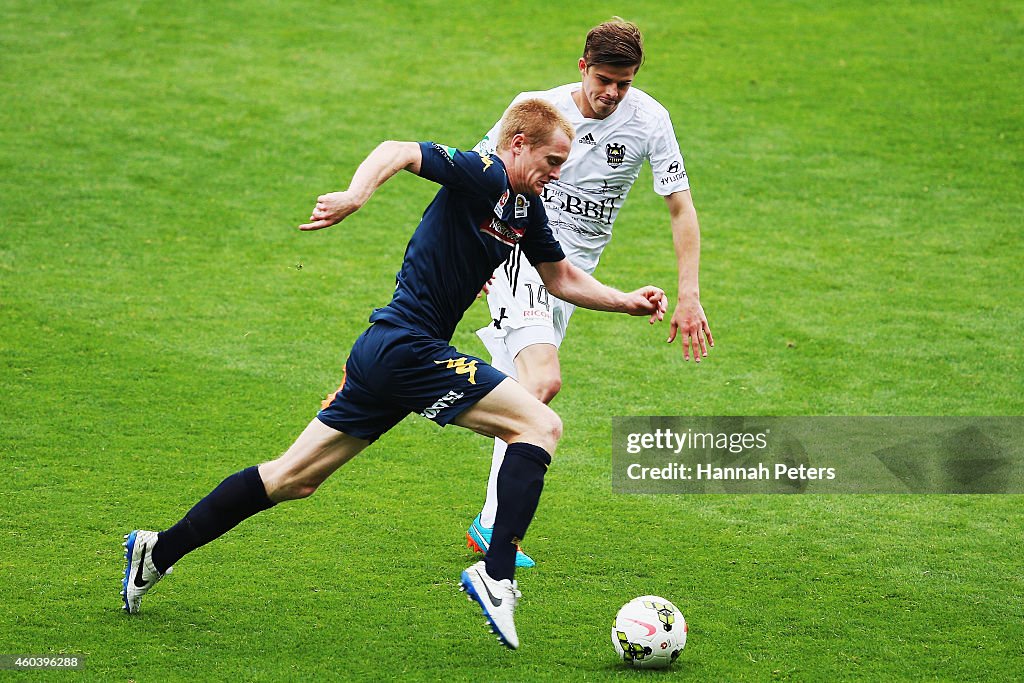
603	164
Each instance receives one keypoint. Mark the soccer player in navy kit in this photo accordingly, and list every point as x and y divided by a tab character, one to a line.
403	362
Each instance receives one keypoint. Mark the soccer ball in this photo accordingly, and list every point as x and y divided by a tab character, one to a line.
649	632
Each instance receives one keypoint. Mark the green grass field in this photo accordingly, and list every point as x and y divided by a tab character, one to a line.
858	175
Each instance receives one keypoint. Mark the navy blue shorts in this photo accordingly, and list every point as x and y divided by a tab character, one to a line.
392	371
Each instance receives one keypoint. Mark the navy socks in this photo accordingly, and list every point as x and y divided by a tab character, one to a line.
238	497
520	481
242	495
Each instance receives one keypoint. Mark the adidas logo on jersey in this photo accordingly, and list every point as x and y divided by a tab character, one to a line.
587	139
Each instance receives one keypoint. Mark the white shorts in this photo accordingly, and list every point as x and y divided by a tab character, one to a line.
523	313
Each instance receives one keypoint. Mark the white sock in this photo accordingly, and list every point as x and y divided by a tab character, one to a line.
491	502
501	360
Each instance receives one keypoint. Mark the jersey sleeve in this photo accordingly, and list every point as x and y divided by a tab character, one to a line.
666	159
470	172
538	243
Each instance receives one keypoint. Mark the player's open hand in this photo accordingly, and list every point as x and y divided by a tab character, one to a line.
331	208
647	301
690	323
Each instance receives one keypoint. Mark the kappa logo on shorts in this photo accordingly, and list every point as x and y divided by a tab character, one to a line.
461	367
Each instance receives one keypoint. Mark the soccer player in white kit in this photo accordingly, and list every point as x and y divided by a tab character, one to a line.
617	128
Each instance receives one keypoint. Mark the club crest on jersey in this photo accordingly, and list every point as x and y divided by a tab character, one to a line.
522	206
500	206
502	231
616	154
487	161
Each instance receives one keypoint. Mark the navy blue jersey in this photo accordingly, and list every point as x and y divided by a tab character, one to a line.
469	229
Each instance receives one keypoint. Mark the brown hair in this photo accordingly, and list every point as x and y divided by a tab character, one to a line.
536	120
617	42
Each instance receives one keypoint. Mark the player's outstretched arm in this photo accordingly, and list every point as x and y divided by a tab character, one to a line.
571	284
385	161
688	321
